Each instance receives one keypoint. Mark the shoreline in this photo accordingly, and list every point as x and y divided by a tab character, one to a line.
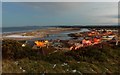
39	33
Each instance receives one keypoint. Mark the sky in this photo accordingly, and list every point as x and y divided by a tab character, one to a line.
60	0
0	16
59	13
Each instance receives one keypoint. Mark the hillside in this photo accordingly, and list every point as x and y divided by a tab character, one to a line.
101	58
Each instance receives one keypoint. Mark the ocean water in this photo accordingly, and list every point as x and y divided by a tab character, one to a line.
64	35
61	36
21	29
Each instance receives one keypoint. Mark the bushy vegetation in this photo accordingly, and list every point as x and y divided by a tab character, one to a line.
97	58
12	49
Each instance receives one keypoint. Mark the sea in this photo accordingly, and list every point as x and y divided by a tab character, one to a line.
21	29
61	36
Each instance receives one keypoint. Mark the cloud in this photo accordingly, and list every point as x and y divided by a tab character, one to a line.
113	16
66	12
60	0
46	8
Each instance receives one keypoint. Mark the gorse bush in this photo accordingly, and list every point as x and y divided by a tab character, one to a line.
12	49
55	57
98	52
101	52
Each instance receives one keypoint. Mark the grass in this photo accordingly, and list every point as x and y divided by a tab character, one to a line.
93	59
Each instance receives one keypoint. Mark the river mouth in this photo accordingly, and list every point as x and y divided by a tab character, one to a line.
63	35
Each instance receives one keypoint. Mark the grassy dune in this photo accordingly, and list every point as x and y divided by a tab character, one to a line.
102	58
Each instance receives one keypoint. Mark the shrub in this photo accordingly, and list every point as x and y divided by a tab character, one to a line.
89	54
12	49
58	57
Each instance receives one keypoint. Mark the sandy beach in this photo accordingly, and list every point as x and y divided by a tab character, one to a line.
40	33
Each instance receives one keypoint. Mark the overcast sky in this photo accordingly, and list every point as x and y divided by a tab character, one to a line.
59	13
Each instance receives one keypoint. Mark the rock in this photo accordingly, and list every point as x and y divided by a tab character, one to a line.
54	65
24	71
65	63
16	62
20	67
74	71
67	70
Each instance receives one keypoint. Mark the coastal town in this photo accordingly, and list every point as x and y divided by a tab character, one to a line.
92	37
89	38
81	47
71	38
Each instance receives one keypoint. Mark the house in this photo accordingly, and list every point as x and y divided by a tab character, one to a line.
86	42
96	40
